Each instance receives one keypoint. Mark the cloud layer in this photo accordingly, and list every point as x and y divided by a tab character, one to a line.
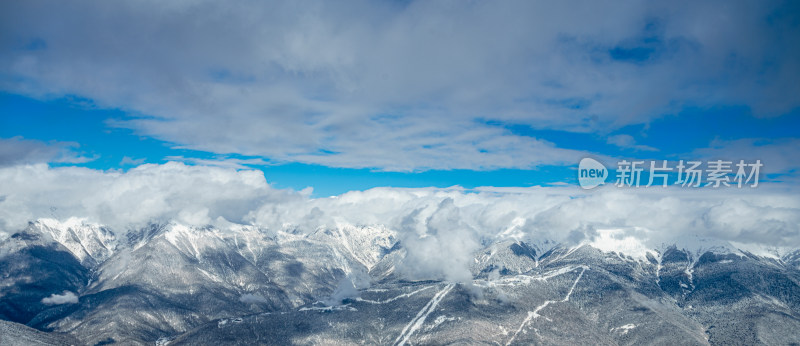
436	223
440	229
149	193
400	85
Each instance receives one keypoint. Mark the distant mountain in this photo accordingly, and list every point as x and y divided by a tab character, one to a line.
71	282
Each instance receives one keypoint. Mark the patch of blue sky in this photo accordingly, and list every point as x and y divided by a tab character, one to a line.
73	119
328	181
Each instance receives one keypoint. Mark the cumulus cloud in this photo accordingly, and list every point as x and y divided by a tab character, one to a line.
441	245
148	193
400	85
428	217
65	298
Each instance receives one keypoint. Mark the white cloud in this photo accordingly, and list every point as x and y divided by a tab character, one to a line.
129	161
441	228
220	162
628	142
440	245
17	150
399	85
194	194
65	298
778	155
349	287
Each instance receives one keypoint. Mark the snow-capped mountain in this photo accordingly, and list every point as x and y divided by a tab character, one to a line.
178	284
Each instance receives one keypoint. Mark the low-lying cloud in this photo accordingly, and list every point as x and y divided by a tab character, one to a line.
65	298
195	195
439	228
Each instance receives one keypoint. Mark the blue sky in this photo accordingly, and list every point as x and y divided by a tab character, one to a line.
350	96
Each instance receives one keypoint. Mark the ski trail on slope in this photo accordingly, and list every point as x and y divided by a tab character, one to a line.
535	313
418	320
527	279
404	295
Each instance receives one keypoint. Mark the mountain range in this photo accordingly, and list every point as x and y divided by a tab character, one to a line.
73	282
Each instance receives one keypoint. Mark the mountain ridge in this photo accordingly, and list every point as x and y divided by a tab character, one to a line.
173	282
